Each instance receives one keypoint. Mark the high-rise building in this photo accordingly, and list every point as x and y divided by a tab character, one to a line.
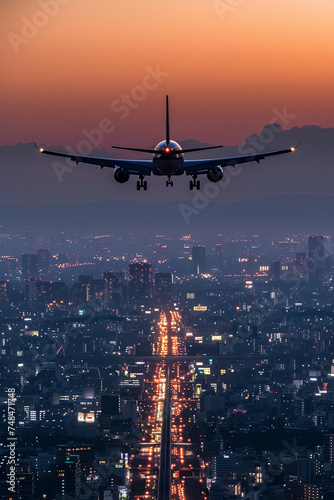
250	267
30	290
140	282
219	256
311	492
306	467
98	290
110	407
316	248
43	293
225	467
302	492
328	455
38	293
300	266
26	485
29	265
275	270
163	288
303	406
3	291
8	266
60	293
69	477
85	279
80	292
85	452
317	255
95	289
198	259
115	288
110	404
43	258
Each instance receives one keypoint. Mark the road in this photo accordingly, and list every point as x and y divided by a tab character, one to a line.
164	483
167	465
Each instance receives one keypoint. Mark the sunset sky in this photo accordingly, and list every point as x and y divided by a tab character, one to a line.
226	66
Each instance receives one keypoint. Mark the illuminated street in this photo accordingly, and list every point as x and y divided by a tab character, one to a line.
166	465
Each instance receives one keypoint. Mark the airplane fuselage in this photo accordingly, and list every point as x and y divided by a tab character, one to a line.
166	162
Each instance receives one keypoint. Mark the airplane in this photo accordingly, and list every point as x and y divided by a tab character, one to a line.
168	160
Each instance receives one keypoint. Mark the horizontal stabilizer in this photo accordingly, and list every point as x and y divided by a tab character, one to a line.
197	149
153	151
171	151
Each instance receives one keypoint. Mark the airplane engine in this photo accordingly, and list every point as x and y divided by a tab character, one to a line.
121	175
215	175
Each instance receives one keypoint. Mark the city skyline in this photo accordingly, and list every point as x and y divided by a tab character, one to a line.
176	344
128	362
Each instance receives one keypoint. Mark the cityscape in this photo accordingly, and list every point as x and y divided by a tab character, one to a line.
166	250
167	367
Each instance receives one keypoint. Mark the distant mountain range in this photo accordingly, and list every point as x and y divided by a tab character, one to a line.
279	215
288	193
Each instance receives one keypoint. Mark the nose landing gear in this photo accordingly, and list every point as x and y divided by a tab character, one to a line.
169	182
141	183
194	184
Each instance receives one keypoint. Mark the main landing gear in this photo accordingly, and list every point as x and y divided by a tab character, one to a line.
141	183
169	182
194	184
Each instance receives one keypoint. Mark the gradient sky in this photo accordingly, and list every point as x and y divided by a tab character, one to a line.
229	65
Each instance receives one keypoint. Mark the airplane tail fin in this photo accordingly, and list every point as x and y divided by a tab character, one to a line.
175	152
167	122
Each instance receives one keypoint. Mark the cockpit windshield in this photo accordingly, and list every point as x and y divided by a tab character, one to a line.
172	145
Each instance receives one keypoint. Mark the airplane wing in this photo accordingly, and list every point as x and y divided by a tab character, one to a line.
198	167
135	167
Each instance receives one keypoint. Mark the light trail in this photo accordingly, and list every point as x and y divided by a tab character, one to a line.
167	466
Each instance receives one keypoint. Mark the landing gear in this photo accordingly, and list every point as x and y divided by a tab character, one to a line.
141	184
194	184
169	182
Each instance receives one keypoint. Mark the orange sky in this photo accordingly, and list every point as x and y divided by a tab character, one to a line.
229	64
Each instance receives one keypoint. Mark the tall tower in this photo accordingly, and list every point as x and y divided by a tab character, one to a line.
43	260
316	255
140	282
30	265
329	451
116	289
250	266
198	258
69	476
316	247
275	270
163	287
219	256
3	291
